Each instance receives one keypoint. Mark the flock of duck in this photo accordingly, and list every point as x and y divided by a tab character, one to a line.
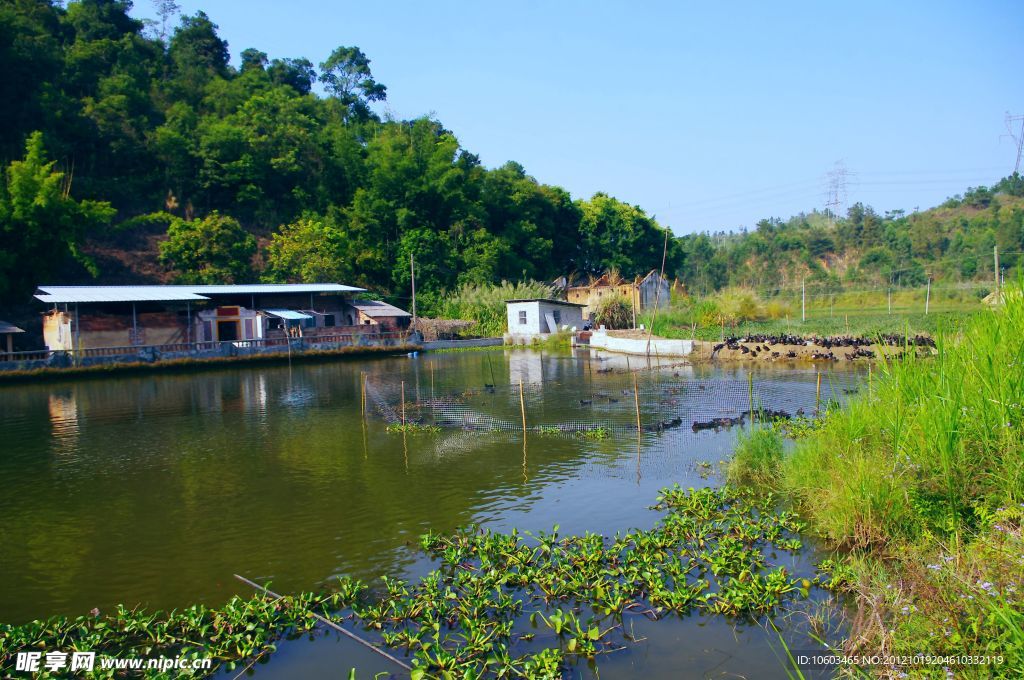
782	346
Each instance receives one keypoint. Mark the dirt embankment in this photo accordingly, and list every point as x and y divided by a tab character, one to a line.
789	348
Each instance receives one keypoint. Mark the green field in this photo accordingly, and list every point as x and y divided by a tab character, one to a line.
850	313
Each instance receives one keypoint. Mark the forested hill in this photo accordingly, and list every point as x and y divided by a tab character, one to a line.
134	153
951	243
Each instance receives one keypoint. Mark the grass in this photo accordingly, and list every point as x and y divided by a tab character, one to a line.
677	323
920	485
757	457
845	313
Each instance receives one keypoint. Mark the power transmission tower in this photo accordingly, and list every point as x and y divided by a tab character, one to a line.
835	195
1017	137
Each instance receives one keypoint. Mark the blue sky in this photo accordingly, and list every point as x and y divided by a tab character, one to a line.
707	115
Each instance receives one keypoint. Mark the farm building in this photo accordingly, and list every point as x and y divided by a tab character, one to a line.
529	319
643	293
86	317
7	332
375	313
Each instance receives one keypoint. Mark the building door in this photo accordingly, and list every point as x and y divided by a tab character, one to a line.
227	331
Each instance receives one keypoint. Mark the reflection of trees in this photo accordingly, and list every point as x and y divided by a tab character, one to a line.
181	480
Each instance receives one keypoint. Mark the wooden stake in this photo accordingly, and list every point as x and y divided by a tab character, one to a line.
347	633
403	403
636	398
817	395
869	382
522	406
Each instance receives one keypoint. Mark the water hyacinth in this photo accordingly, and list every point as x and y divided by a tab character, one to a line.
497	605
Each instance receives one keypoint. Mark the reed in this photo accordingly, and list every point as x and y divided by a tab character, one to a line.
485	303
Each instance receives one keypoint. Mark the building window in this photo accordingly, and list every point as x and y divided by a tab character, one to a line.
328	321
522	317
558	316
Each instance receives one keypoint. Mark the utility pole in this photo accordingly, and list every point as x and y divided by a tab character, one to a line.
928	296
412	272
1018	138
995	253
836	191
803	299
890	300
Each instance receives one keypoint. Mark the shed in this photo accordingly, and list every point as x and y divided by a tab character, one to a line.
7	330
537	317
377	313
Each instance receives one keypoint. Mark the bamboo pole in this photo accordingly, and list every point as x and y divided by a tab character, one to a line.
817	395
347	633
636	398
522	406
403	403
869	381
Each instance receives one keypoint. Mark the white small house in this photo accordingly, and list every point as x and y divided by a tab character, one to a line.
535	318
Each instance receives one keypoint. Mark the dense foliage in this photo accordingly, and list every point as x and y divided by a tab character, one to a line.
158	120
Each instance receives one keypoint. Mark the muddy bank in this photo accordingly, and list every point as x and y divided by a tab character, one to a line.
814	349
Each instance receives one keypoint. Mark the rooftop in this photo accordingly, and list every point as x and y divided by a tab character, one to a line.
73	294
547	300
6	328
373	308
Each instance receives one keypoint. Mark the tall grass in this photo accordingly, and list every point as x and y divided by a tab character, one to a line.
938	444
756	459
485	303
921	481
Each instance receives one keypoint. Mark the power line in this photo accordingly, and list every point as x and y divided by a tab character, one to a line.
1018	138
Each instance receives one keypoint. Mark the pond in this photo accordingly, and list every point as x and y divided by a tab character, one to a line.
155	490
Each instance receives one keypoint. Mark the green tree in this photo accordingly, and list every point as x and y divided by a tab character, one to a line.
346	75
616	235
215	249
310	250
41	226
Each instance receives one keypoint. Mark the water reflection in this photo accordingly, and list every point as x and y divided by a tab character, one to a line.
156	490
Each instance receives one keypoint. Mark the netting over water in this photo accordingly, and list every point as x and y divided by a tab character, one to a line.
668	399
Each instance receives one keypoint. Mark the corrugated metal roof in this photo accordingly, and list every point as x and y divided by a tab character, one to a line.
6	328
71	294
268	288
287	314
374	308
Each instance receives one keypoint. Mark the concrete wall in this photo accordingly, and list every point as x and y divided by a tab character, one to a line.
659	346
111	330
456	344
134	355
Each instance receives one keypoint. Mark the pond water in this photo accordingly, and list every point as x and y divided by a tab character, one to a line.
155	490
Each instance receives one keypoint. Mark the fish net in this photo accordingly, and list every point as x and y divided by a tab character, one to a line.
608	404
